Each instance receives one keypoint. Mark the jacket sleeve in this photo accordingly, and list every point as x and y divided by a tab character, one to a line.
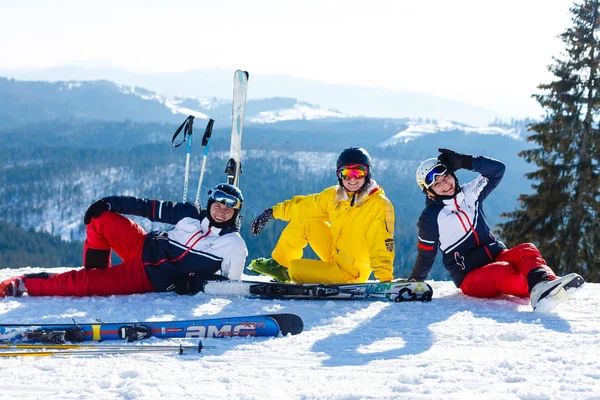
155	210
492	170
232	266
312	207
427	245
380	239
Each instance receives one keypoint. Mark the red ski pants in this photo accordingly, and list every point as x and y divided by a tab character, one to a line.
109	231
507	274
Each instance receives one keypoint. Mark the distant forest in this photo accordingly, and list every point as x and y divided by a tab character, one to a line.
21	248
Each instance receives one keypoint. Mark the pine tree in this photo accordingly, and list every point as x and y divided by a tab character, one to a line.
562	214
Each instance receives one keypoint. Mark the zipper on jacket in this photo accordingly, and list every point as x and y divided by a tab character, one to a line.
459	210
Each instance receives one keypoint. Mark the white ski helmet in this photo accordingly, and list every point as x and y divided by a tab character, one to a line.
427	171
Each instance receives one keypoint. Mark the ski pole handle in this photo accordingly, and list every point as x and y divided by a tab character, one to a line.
187	128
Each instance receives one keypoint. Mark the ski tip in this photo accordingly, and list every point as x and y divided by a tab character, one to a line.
246	74
288	323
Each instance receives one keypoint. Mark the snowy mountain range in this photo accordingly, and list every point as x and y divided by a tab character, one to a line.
291	108
26	101
349	100
109	101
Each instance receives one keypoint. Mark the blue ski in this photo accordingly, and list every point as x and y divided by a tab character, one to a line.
255	325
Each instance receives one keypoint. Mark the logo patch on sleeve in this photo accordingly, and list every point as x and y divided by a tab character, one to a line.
389	244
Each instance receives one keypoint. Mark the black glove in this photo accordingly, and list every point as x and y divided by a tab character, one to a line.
187	285
455	161
95	210
259	223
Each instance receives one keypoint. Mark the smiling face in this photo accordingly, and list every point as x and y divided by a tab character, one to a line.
220	212
353	184
444	185
353	176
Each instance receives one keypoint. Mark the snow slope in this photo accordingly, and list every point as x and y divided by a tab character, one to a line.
454	347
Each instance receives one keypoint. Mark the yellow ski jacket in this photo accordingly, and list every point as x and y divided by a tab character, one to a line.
361	234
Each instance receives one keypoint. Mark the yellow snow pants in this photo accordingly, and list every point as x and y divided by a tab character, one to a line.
331	269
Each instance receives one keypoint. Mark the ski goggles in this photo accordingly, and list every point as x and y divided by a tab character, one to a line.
230	201
439	169
355	171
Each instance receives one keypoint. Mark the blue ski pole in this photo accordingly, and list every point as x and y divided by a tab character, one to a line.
205	143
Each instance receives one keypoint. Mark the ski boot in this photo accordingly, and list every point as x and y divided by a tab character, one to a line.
12	287
270	267
546	295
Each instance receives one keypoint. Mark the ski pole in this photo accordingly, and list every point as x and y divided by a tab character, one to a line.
76	352
205	143
187	128
100	346
74	349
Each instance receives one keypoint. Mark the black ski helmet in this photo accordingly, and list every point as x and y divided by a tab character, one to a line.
354	155
229	195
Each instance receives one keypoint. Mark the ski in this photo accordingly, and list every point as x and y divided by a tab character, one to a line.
396	291
240	89
255	325
42	353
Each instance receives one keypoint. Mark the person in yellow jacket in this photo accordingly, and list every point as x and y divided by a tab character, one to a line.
350	227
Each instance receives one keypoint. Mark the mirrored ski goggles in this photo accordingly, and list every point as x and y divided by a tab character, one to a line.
355	171
439	169
230	201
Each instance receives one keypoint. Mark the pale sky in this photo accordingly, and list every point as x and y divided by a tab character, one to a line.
482	52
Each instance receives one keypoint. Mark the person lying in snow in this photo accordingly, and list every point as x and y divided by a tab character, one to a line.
204	245
453	222
350	227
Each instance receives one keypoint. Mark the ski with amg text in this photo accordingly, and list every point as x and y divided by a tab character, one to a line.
252	325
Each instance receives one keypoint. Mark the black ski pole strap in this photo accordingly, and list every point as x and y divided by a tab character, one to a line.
186	127
207	132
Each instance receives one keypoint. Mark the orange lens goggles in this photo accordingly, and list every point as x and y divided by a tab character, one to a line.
357	171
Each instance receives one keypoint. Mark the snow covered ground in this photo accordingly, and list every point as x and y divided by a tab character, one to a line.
454	347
